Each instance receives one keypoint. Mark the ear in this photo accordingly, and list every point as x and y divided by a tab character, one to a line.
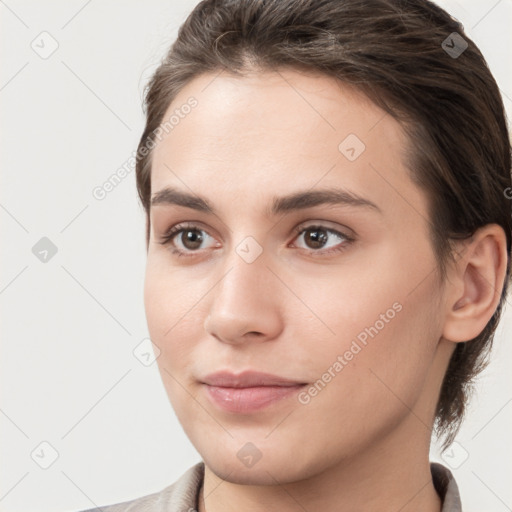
475	285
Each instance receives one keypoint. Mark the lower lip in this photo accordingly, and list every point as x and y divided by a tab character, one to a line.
244	400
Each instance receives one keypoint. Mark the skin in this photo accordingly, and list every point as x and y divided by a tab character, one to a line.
362	442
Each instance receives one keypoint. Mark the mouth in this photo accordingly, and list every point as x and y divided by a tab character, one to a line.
249	399
248	391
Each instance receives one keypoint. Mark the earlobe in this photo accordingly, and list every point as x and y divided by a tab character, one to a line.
474	291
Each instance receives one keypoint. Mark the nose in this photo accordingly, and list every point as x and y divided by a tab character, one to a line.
246	303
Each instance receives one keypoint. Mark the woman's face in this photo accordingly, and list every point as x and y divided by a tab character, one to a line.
341	295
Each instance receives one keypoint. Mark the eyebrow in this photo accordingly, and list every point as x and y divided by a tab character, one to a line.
279	205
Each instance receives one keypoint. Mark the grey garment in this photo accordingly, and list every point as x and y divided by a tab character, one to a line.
183	495
446	487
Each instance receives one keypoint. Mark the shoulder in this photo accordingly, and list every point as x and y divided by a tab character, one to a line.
179	496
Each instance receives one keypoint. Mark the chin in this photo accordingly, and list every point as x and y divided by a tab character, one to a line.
276	466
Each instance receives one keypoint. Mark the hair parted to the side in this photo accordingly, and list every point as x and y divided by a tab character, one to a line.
391	50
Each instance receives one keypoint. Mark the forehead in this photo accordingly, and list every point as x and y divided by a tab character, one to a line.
278	130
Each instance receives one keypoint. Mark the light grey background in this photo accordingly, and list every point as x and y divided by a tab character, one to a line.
69	376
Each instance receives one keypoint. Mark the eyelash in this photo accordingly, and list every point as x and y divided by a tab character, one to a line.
180	228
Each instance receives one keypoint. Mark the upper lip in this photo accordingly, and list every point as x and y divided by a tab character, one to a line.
247	379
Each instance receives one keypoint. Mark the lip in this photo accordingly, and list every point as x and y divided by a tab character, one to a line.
248	391
246	379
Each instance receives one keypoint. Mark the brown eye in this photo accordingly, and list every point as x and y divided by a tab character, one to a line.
191	238
187	240
315	238
321	240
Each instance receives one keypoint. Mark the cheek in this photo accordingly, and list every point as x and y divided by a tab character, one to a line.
175	312
381	340
364	386
391	372
169	296
164	307
171	324
156	298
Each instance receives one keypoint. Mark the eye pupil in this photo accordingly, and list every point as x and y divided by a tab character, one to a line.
193	237
318	237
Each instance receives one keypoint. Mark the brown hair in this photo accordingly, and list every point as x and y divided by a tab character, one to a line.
404	56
